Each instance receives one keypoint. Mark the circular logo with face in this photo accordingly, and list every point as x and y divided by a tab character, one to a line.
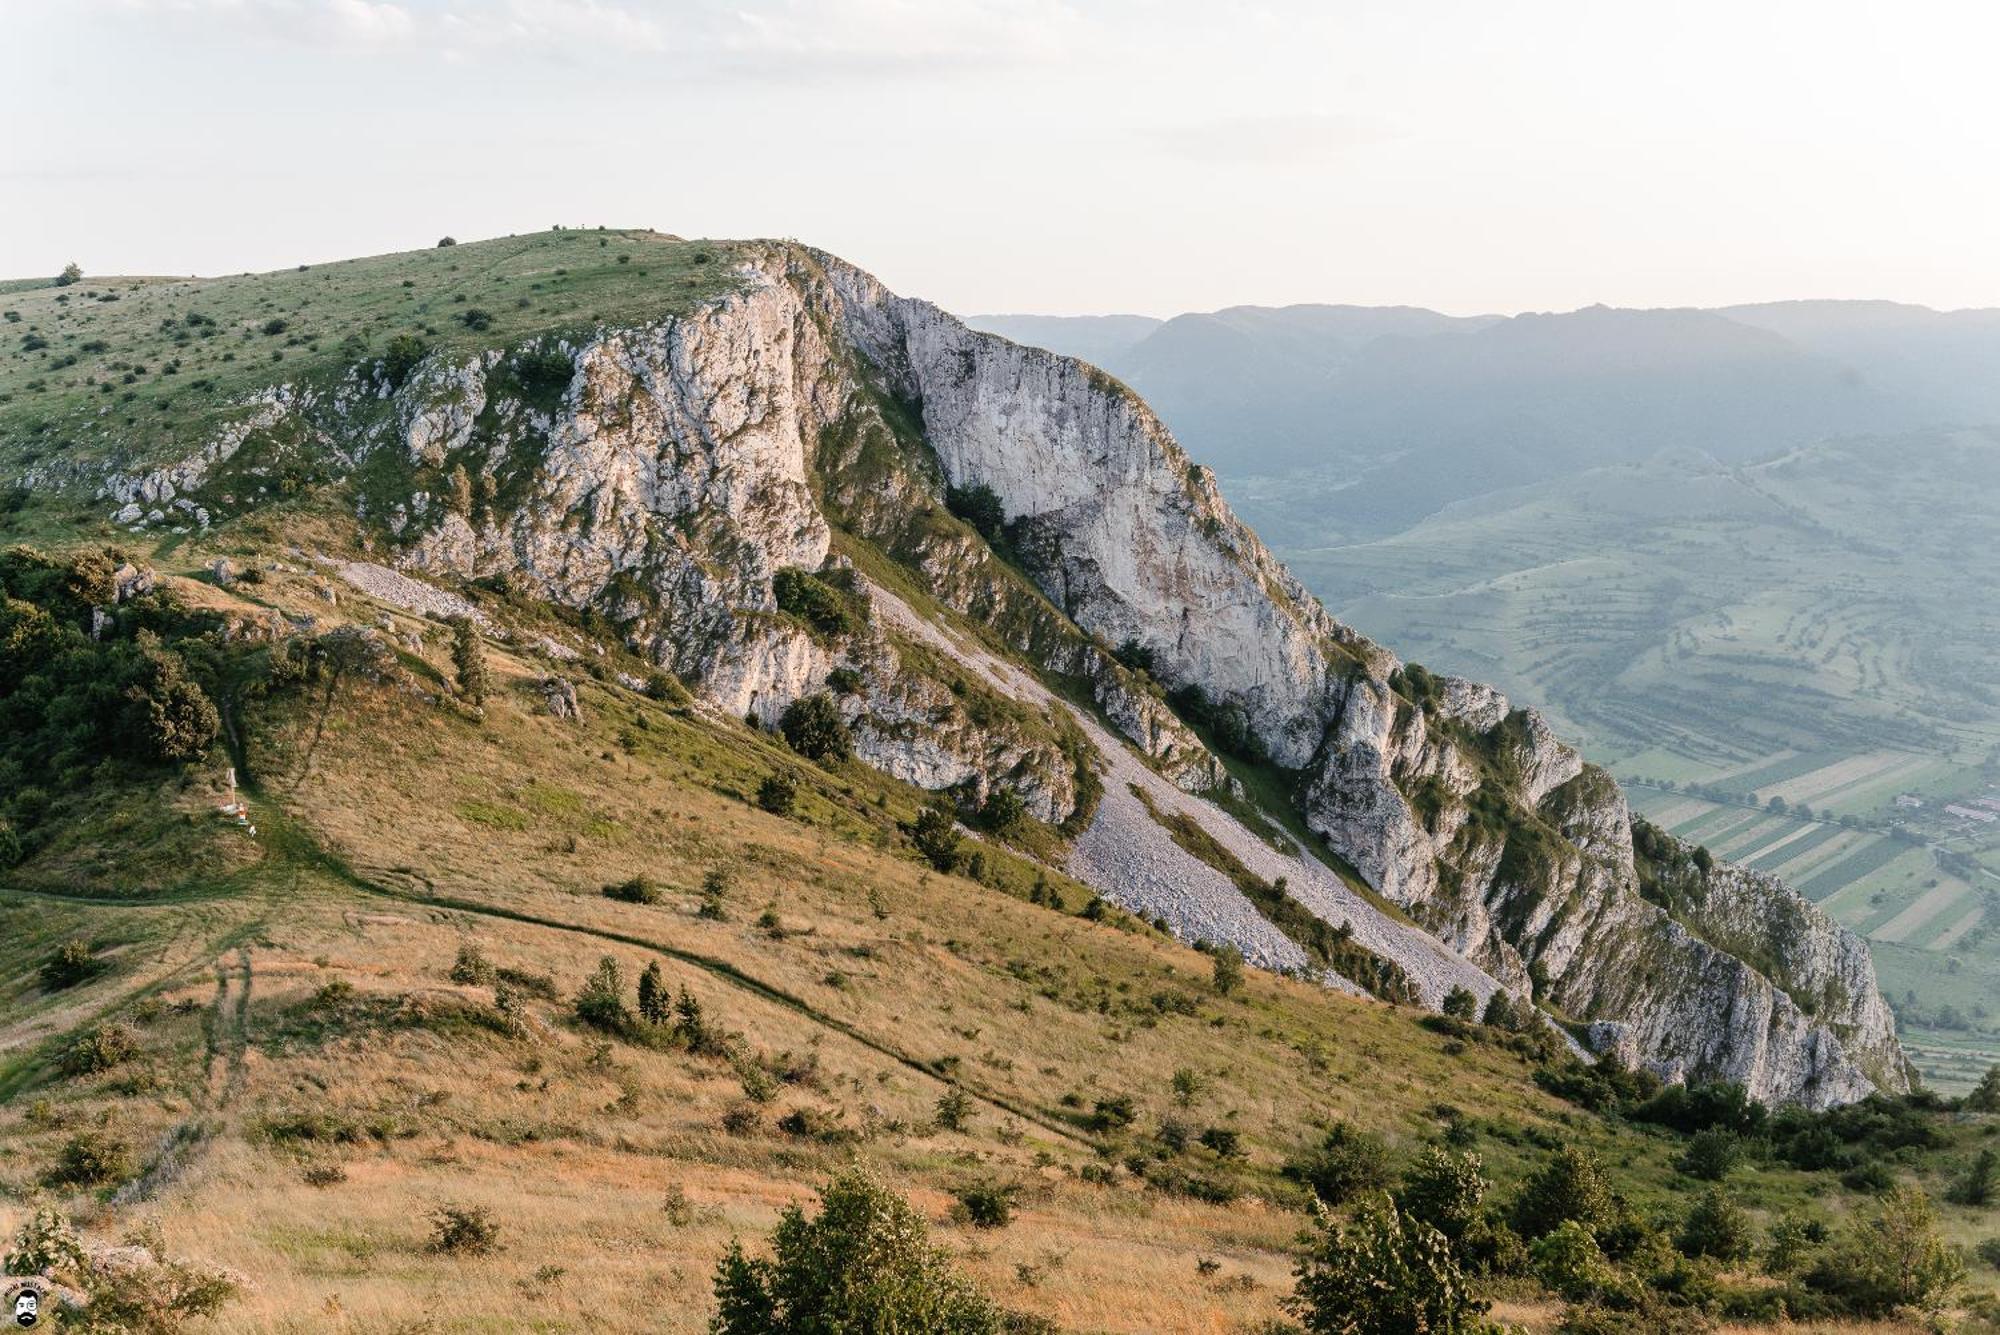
27	1306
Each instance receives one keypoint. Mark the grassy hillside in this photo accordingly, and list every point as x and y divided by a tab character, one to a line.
148	368
310	1083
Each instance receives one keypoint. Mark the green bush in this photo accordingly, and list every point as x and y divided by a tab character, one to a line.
778	793
1711	1154
1377	1273
1225	969
935	833
1460	1004
1569	1262
1444	1190
89	1159
979	506
98	1049
1716	1227
601	1003
1344	1165
1892	1258
1004	811
814	601
637	890
985	1205
864	1263
472	968
953	1109
1571	1186
813	727
464	1230
70	965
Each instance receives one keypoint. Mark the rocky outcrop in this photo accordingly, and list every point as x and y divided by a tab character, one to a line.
693	468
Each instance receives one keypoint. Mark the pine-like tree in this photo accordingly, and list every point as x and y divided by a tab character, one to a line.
468	658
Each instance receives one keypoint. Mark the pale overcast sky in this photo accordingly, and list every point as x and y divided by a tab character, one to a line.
1040	155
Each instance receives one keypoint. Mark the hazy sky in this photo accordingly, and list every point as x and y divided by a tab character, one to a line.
1039	155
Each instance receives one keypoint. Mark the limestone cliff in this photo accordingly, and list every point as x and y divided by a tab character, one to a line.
735	490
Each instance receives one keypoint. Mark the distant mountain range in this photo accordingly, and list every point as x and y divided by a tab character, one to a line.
1394	412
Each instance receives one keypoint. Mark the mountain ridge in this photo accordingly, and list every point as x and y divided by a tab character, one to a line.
806	420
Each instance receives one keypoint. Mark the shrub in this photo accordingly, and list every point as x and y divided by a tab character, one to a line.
476	319
813	727
468	658
1460	1004
1004	810
935	833
1379	1272
810	1123
1344	1165
11	848
814	601
446	241
1569	1262
89	1159
1692	1108
1570	1186
1982	1176
1188	1086
979	506
98	1049
72	274
1794	1237
778	793
1225	1142
986	1205
70	965
464	1230
472	967
953	1109
637	890
1989	1251
844	681
1711	1154
1716	1227
275	326
1893	1258
601	1003
1225	969
1444	1190
1985	1096
1112	1114
655	1006
864	1263
400	358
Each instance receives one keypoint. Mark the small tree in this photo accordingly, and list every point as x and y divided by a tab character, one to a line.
1981	1180
72	273
1225	970
1345	1164
1379	1273
1793	1239
1572	1185
1895	1258
472	967
936	836
1711	1153
1985	1096
1188	1086
1460	1004
446	241
1716	1227
464	1230
601	1003
1569	1261
1004	810
70	965
954	1109
468	659
813	727
778	793
865	1263
1444	1190
654	1006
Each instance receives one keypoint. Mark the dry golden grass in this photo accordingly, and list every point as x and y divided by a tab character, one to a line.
416	829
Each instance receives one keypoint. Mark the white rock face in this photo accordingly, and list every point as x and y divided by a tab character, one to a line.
693	459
